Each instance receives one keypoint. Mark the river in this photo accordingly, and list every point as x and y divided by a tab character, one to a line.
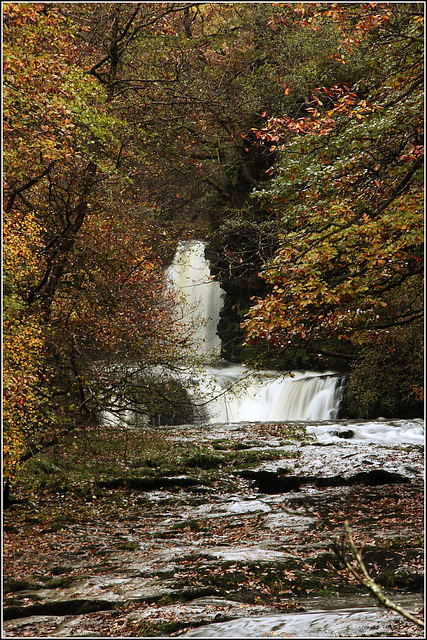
234	540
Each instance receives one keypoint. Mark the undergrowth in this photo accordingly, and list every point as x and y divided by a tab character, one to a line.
68	473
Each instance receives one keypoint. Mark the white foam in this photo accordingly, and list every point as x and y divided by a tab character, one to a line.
391	432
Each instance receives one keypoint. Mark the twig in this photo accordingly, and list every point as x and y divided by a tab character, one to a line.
362	576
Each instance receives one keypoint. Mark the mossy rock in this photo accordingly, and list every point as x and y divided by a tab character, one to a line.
10	585
192	525
148	484
154	629
60	582
205	461
77	606
128	546
60	569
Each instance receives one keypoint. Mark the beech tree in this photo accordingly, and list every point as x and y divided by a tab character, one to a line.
37	134
348	189
83	284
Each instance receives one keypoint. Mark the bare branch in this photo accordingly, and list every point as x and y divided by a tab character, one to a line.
362	576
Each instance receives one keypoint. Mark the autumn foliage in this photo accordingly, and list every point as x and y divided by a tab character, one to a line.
348	189
127	124
83	282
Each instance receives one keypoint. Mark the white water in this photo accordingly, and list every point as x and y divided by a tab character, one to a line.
238	394
230	392
200	297
317	624
345	617
380	431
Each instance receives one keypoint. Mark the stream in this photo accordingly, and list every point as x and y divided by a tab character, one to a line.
239	542
216	553
351	616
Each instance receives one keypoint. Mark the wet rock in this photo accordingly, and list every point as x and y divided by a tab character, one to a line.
377	477
412	470
21	624
372	478
57	607
92	595
234	506
271	482
60	582
275	482
128	546
190	560
198	612
316	624
346	435
12	586
60	569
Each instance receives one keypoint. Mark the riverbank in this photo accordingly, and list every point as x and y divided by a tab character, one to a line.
150	533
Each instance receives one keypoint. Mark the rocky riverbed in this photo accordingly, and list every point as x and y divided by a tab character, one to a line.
217	531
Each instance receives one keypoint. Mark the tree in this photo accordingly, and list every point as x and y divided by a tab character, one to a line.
349	192
36	135
83	283
197	79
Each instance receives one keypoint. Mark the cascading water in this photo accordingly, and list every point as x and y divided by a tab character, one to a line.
199	296
230	392
241	395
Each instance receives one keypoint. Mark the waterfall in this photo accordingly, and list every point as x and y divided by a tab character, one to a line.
234	393
199	296
238	394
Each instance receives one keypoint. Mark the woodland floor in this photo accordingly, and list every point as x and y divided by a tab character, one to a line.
156	532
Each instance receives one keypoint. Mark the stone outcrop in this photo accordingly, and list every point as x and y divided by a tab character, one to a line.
279	482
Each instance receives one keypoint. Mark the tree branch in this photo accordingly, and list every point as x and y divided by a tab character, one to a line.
362	576
27	185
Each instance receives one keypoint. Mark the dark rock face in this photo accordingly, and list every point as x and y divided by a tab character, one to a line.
149	484
346	435
58	607
271	482
276	482
377	477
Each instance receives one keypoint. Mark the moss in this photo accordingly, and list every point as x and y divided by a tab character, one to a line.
153	629
419	541
60	583
59	608
99	454
10	585
204	461
128	546
46	465
233	445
